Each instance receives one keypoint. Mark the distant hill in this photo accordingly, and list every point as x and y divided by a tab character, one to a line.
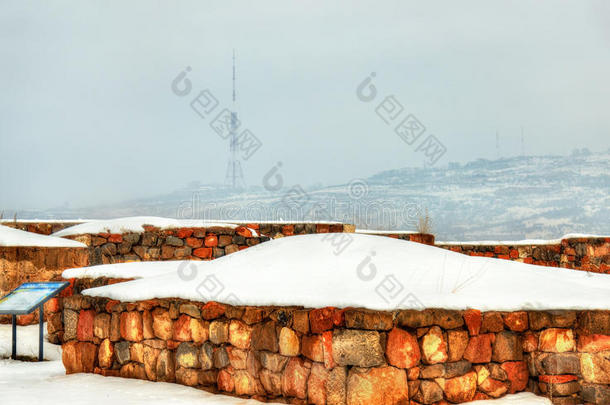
509	198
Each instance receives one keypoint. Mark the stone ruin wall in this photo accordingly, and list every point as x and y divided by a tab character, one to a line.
331	356
20	265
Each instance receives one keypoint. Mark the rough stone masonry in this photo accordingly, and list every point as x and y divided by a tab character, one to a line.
332	356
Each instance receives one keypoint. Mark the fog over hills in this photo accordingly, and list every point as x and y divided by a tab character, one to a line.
509	198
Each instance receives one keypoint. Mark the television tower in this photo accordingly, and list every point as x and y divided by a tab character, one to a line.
235	175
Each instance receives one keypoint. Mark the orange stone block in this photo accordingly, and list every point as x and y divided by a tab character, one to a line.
593	343
517	375
294	378
184	233
182	329
473	320
402	349
557	379
479	349
204	253
194	242
211	241
516	321
243	231
321	319
434	346
378	386
115	238
84	330
131	326
557	340
312	348
240	334
462	388
212	310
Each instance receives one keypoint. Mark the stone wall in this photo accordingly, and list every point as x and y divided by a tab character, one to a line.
40	227
331	356
588	254
19	265
191	243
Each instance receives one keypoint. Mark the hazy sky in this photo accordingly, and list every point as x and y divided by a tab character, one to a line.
87	114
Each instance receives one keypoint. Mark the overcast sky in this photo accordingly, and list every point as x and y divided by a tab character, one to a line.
87	113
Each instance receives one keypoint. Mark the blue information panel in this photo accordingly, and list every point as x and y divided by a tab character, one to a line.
25	298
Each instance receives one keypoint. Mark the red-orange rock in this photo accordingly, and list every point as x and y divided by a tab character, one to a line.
246	384
162	324
557	340
593	343
557	379
194	242
402	349
321	320
493	387
53	305
79	357
243	231
517	375
462	388
84	330
182	329
225	380
211	241
131	326
212	310
378	386
473	320
204	252
115	238
316	384
327	346
294	378
184	233
479	349
516	321
312	348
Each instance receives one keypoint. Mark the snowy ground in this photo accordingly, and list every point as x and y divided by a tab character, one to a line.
45	383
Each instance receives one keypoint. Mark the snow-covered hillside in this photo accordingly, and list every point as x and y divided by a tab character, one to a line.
506	199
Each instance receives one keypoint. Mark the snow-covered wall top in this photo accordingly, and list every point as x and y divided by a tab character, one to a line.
136	224
371	271
16	237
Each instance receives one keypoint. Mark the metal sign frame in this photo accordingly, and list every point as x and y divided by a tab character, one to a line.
60	286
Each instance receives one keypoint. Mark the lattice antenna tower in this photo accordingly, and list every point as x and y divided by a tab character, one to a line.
235	175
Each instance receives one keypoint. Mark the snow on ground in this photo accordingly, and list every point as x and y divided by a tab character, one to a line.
27	343
45	383
16	237
375	272
134	224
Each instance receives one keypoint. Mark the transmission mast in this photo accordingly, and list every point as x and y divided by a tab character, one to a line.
235	175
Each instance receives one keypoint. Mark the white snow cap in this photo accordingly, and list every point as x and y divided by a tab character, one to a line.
356	270
135	224
17	237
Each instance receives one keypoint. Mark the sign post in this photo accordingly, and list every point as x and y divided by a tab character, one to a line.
25	299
